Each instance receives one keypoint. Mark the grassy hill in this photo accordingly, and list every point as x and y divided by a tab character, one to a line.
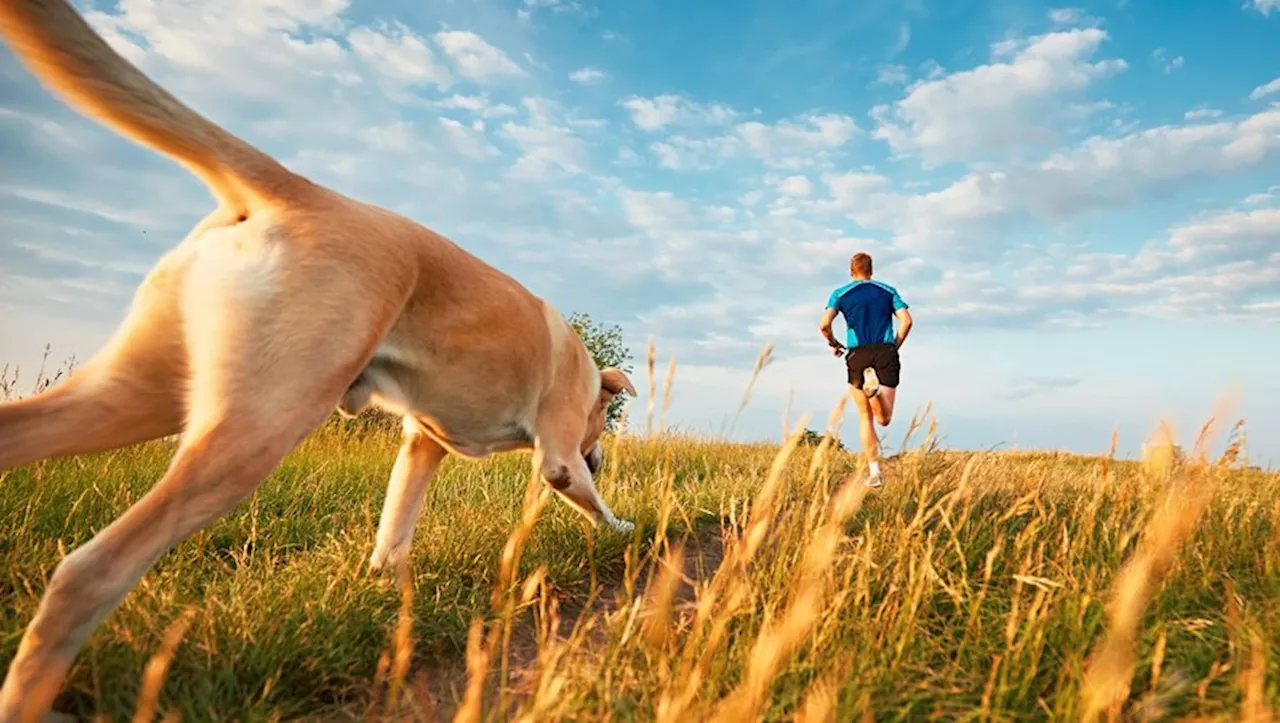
762	582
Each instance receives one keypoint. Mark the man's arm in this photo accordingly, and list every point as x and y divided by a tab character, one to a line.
901	312
904	325
829	316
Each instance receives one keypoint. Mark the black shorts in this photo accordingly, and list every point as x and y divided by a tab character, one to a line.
881	357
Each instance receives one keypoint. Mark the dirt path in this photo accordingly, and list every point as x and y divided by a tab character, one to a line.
439	687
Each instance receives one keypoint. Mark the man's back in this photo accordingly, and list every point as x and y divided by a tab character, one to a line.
868	307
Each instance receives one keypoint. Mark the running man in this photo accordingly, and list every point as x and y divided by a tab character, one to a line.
869	309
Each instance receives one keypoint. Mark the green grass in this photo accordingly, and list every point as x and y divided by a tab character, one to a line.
973	586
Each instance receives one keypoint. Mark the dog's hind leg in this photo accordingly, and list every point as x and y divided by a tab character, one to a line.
269	356
249	409
95	410
132	391
220	461
416	463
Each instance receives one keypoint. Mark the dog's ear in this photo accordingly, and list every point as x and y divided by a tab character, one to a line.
615	381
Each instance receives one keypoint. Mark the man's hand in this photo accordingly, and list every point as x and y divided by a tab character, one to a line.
828	316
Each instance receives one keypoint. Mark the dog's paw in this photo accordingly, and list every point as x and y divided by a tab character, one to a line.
623	527
388	560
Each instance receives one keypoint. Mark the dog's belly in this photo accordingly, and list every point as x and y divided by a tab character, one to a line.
462	417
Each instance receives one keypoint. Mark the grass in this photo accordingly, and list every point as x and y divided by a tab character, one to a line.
763	582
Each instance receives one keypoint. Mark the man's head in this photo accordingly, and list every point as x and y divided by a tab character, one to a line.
612	383
860	266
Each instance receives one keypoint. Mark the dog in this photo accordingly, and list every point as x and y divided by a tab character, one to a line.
288	301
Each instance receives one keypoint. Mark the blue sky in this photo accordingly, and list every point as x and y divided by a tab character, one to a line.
1080	202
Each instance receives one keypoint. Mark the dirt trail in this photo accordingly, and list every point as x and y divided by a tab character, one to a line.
439	687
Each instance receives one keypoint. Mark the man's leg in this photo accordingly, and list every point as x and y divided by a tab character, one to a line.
858	378
880	385
867	430
884	400
881	397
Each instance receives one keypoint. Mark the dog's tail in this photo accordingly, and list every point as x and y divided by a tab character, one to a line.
64	52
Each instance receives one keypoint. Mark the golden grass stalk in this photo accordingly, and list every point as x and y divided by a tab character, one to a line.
820	704
1111	454
1255	708
829	437
762	361
778	641
154	674
1160	453
764	507
477	667
1110	669
731	585
480	647
657	626
667	385
401	640
650	359
536	497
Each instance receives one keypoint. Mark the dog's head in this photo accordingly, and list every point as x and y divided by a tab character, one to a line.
612	383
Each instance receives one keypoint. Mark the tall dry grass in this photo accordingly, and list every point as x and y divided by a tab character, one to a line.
763	582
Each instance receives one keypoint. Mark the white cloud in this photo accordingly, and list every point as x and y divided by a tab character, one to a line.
556	7
1271	195
654	211
1199	114
1264	6
1011	103
479	105
795	187
1266	89
1227	236
396	137
670	157
475	58
1065	16
850	190
587	76
469	141
1161	56
400	54
1224	265
628	157
547	146
681	153
903	40
969	216
653	114
791	143
241	46
892	75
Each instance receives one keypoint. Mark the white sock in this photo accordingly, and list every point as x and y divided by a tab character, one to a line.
875	469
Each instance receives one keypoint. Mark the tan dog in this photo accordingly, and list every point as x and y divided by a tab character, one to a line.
286	301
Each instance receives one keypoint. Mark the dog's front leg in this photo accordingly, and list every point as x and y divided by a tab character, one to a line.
572	480
560	464
416	463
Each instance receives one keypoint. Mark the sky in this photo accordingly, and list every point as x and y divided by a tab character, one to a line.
1080	203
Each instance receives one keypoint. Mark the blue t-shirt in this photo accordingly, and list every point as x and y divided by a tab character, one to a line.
868	307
